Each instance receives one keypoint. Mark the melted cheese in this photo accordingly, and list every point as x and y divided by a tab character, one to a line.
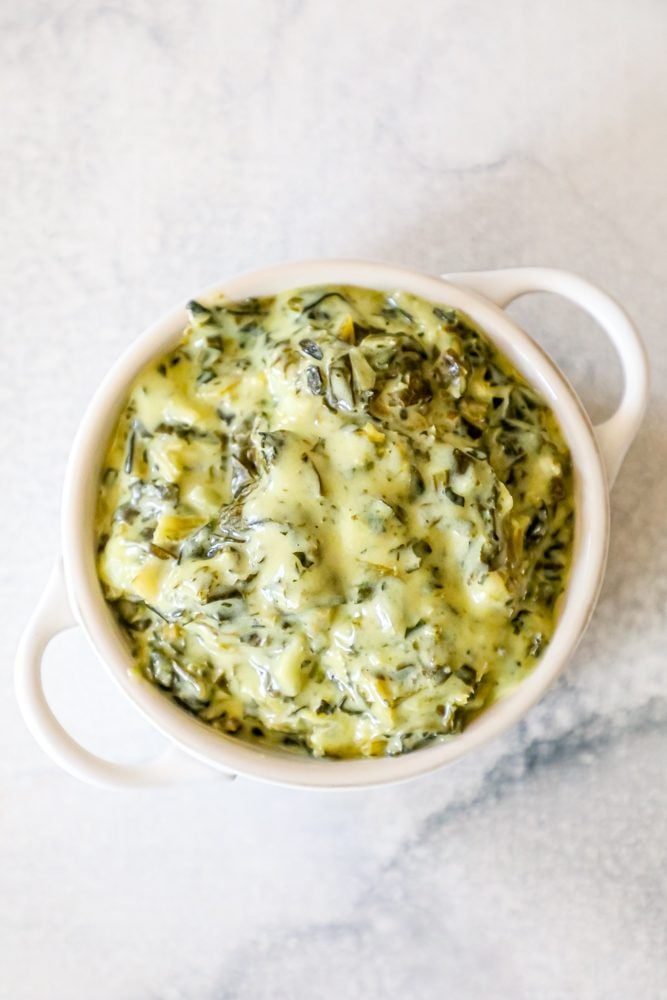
336	519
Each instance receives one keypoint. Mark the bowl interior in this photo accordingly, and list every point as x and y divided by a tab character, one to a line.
591	532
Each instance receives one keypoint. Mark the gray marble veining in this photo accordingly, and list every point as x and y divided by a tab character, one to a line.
146	150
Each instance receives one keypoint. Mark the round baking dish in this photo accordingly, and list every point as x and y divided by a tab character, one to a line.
73	596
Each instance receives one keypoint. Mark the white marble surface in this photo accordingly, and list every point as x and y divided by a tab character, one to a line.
147	149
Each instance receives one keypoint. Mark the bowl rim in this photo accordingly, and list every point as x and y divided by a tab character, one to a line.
225	752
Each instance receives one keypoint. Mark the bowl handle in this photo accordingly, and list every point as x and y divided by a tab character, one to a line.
616	434
51	616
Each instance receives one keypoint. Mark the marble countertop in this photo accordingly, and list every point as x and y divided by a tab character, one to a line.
148	149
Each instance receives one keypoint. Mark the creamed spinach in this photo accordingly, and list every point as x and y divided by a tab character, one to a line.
335	519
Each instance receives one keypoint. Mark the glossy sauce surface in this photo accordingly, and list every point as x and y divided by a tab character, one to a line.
336	519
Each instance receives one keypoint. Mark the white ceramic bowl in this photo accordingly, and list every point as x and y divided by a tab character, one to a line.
74	597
